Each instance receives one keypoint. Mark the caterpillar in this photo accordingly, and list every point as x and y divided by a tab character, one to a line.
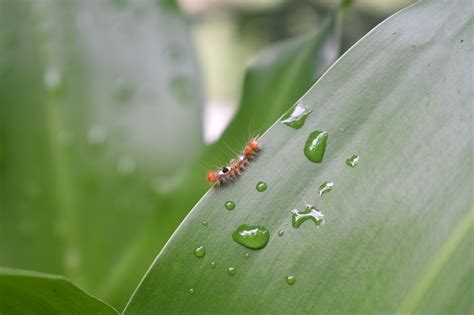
235	167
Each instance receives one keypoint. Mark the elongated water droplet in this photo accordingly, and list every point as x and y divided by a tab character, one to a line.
200	251
96	135
125	165
325	187
261	186
204	223
229	205
191	291
310	213
290	280
281	232
251	236
315	146
353	161
231	271
296	116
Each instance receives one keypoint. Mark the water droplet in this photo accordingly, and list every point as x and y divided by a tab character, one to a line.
251	236
290	280
353	161
261	186
213	264
231	271
229	205
52	79
310	213
180	87
296	116
325	187
200	251
315	146
281	232
247	255
191	291
96	135
204	223
125	165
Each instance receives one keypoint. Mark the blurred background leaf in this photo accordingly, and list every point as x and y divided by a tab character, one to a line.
394	224
26	292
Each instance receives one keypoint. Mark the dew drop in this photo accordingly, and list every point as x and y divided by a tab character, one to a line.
229	205
52	79
290	280
281	232
204	223
180	87
261	186
251	236
125	165
247	255
325	187
231	271
192	291
296	116
310	213
213	264
315	146
96	135
353	161
200	251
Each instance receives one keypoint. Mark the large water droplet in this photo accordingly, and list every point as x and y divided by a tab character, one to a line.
325	187
290	280
125	165
200	251
251	236
181	89
96	135
261	186
310	213
52	79
353	161
229	205
315	146
231	271
296	117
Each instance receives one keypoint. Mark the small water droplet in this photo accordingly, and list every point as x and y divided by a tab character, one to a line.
181	88
290	280
251	236
353	161
229	205
310	213
325	187
261	186
200	251
52	79
96	135
213	264
204	223
125	165
296	116
281	232
191	291
315	146
231	271
247	255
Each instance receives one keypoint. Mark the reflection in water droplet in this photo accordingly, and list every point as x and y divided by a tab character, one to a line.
281	232
52	78
315	146
181	88
229	205
296	116
231	271
213	264
261	186
96	135
251	236
200	251
125	165
310	213
325	187
290	280
353	161
191	291
204	223
247	255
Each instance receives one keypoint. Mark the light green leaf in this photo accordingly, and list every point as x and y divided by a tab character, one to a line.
400	99
27	292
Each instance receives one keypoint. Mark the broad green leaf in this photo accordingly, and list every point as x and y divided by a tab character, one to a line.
400	99
95	96
27	292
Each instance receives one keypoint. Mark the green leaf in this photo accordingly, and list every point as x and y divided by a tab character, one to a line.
400	99
27	292
95	97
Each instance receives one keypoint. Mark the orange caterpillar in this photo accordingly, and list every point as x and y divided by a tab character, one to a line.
235	167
